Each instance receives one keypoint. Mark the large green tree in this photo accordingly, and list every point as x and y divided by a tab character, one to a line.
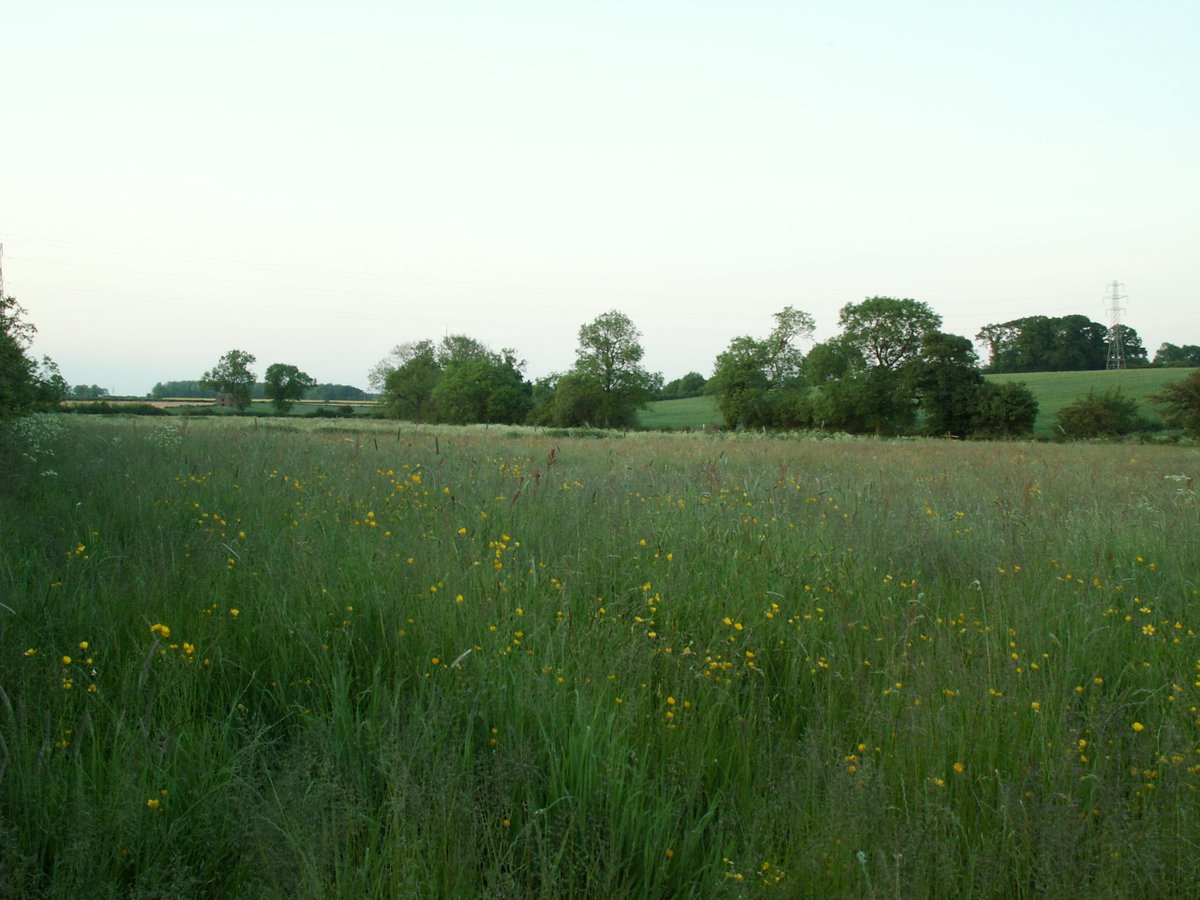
483	388
886	334
608	384
887	331
945	378
231	375
286	384
760	383
408	387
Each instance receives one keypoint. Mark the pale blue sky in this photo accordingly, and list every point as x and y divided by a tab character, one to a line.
314	184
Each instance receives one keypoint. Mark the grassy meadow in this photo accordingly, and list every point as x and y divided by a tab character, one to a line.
246	658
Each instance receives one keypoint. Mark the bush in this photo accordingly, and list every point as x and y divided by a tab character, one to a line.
1181	404
326	412
104	408
1109	415
1004	410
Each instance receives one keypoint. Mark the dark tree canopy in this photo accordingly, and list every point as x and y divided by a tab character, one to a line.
231	375
1110	414
1173	356
761	383
1006	409
1055	344
408	387
887	331
690	385
946	380
607	385
1180	402
284	384
457	380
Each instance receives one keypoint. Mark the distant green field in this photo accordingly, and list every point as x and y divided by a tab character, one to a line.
691	412
1053	390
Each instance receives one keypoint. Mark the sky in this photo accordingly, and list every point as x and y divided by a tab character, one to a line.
315	183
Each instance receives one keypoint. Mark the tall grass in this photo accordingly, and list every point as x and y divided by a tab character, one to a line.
451	663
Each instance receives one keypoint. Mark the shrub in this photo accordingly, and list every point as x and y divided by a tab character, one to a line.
1108	415
104	408
1180	401
1004	410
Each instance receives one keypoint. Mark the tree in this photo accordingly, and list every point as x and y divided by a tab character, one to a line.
487	388
608	364
945	378
1005	409
1108	415
18	372
741	384
1054	344
887	331
1180	401
761	383
690	385
24	384
286	384
1177	356
408	388
88	392
231	375
833	359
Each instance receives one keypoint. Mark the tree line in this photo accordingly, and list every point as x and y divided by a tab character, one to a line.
889	370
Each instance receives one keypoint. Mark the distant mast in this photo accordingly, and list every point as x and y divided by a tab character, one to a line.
1	271
1116	347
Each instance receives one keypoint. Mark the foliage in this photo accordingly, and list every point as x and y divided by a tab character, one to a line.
833	359
87	392
231	375
25	385
1108	415
326	392
408	388
1055	344
887	331
761	384
1180	401
285	384
607	385
185	390
459	381
875	400
1174	356
483	388
1006	409
690	385
946	380
104	408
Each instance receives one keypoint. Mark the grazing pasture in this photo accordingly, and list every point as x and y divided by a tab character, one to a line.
297	658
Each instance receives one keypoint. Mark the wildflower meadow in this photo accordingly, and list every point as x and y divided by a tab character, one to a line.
274	658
